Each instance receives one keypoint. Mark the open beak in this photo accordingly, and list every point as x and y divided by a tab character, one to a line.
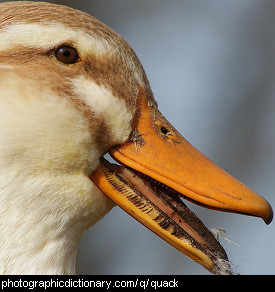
158	169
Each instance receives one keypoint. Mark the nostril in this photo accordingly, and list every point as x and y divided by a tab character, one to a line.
164	130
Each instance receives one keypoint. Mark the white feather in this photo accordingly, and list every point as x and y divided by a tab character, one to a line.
113	110
36	35
47	200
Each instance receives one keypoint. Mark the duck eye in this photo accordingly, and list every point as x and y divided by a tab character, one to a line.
67	55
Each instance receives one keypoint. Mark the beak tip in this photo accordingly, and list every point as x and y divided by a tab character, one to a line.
269	216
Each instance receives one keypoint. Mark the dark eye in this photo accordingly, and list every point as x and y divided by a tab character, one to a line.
67	55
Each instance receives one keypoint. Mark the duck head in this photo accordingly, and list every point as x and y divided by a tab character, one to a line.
65	57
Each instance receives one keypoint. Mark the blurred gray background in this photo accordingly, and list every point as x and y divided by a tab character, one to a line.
211	67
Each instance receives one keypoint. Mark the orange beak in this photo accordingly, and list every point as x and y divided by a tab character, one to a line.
162	168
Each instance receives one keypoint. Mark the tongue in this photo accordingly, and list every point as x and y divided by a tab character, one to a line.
169	201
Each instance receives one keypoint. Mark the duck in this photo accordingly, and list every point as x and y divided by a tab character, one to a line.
72	91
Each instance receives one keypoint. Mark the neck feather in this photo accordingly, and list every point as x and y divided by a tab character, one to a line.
47	200
43	220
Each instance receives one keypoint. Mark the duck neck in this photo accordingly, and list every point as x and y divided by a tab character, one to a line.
39	256
47	200
43	221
